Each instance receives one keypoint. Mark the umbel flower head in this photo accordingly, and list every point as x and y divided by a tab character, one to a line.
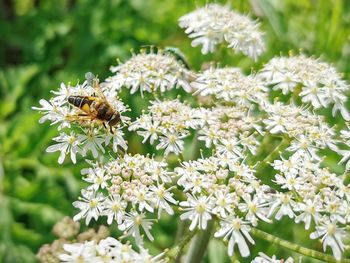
227	190
214	24
230	85
150	72
127	190
316	82
168	121
81	129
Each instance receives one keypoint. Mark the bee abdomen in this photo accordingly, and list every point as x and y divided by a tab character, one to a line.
79	101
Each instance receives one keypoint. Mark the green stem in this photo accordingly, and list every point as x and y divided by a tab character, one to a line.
272	156
294	247
199	244
182	226
261	167
176	251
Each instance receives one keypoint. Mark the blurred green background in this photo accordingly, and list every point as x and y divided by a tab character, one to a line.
46	42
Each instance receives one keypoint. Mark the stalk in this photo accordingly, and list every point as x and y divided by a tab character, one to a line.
272	156
176	251
199	244
260	168
296	248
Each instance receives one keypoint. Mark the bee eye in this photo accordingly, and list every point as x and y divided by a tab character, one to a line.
71	100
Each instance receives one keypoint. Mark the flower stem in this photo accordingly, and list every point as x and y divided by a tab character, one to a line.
272	156
260	168
294	247
199	244
176	251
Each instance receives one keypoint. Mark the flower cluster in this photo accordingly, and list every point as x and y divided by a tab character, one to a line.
316	82
227	127
149	72
230	85
214	24
229	191
315	196
135	186
307	131
168	121
108	250
81	132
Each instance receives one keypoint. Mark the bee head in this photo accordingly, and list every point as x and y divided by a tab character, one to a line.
71	100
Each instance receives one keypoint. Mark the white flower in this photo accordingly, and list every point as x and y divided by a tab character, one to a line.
90	206
310	93
53	111
143	199
79	253
236	231
162	197
289	181
169	122
195	183
108	250
290	165
171	142
303	147
254	209
276	124
230	84
117	140
197	210
321	85
224	203
229	148
114	208
66	144
149	73
132	223
92	141
285	203
331	236
214	24
63	93
310	210
150	132
97	178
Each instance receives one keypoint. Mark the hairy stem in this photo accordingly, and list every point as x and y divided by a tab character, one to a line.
272	156
176	251
199	244
294	247
261	167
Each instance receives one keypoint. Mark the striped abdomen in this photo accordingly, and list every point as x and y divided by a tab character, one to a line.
82	102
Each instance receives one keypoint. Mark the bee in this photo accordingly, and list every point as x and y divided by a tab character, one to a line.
179	56
95	107
172	51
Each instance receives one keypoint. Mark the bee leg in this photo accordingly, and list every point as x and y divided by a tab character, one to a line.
111	130
104	125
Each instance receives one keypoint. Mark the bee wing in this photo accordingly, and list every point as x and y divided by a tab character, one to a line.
97	88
